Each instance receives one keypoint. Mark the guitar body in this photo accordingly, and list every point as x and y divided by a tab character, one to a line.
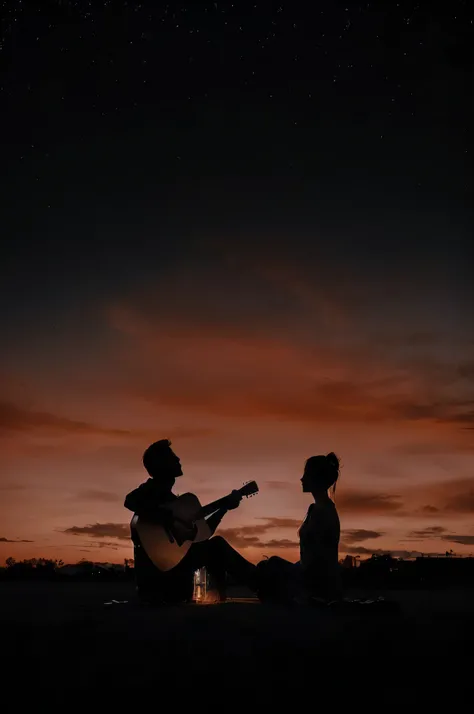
165	552
167	548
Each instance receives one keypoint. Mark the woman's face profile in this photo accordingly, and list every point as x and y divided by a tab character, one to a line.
306	480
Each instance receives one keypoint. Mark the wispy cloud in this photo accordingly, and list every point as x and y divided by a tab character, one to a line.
101	530
440	533
280	543
229	368
15	540
17	421
448	498
113	545
360	501
461	539
429	532
279	485
462	502
251	536
281	522
92	494
359	535
362	550
16	418
430	509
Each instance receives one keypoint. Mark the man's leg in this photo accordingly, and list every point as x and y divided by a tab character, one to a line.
156	586
219	558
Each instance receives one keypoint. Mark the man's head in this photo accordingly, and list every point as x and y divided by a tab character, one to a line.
162	463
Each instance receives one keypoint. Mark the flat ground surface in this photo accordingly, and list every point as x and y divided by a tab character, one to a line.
60	638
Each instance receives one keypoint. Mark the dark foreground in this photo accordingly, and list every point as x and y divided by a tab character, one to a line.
60	639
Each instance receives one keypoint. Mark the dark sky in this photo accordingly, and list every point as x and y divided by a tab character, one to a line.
260	171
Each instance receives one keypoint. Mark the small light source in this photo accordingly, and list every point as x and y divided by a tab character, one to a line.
200	585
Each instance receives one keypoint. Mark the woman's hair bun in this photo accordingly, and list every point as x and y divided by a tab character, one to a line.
333	460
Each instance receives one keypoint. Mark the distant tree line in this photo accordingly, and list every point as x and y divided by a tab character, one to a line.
378	571
48	569
385	571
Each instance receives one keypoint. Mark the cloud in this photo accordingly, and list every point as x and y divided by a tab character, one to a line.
358	535
434	448
451	411
280	543
229	368
243	537
16	421
240	537
462	502
462	539
279	485
448	497
277	522
361	550
92	494
101	530
368	502
14	418
439	533
250	536
103	544
442	499
8	540
429	532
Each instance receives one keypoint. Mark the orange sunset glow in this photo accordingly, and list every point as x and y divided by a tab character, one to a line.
236	257
249	371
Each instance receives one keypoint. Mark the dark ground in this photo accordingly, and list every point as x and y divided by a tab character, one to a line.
60	639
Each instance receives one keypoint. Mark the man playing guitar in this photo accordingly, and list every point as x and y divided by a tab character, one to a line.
149	501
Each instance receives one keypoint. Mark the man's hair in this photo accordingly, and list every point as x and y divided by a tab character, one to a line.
155	453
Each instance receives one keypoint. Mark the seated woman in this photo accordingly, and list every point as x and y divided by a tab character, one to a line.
317	574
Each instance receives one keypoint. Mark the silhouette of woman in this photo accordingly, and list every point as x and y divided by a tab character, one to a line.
317	574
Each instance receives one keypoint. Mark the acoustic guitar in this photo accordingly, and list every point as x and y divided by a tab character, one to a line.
166	547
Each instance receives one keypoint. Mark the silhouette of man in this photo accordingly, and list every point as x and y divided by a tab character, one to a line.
216	555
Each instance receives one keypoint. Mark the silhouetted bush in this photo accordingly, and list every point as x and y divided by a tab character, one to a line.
47	569
385	571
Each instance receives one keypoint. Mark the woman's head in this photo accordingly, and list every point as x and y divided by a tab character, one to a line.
320	473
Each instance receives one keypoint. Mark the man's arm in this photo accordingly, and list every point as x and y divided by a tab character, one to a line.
232	501
140	501
214	520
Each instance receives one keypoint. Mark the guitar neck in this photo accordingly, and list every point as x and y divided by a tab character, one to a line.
211	508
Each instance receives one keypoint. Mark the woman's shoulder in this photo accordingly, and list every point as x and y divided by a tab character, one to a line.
328	505
326	510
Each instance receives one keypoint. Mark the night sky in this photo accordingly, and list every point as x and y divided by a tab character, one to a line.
246	227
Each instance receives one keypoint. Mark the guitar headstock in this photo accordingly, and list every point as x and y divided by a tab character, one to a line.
249	489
